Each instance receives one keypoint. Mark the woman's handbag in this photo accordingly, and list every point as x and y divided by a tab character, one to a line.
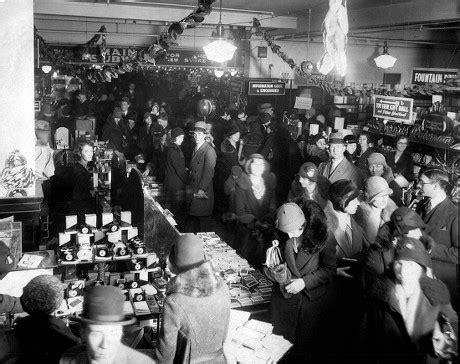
445	342
273	255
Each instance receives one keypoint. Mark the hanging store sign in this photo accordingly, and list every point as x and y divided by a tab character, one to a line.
266	88
395	108
176	57
422	76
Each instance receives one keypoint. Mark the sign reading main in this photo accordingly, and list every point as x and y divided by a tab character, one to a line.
395	108
421	76
266	88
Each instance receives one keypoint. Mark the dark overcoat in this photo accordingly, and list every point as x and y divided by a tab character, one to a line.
442	226
345	170
201	175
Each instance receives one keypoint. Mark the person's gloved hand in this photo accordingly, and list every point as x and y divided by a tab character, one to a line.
295	286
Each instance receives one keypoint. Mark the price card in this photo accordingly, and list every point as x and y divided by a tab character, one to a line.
303	103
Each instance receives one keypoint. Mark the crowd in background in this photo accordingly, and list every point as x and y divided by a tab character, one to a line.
359	273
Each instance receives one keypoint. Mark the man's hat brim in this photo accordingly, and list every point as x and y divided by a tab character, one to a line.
125	322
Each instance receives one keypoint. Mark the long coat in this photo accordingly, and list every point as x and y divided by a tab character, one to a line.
196	315
175	176
383	331
113	133
201	175
345	170
442	226
301	318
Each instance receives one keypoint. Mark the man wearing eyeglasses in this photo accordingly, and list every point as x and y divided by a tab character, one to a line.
441	217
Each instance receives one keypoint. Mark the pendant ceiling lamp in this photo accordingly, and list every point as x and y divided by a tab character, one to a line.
219	50
385	60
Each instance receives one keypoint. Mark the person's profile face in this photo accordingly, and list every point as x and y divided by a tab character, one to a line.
352	206
321	143
380	202
103	342
257	167
235	137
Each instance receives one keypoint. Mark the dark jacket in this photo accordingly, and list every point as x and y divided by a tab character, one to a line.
10	304
145	139
322	191
405	165
345	170
82	200
247	204
113	133
197	311
300	318
383	331
361	162
442	226
175	174
43	339
229	155
201	175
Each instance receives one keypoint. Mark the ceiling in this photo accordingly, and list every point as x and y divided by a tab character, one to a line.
433	21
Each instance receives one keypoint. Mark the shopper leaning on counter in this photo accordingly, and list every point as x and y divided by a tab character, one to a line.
196	310
401	161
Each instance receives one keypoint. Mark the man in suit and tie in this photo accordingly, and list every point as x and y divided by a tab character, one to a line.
200	193
338	167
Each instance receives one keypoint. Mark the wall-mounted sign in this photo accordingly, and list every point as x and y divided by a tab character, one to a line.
395	108
266	88
303	103
435	124
421	76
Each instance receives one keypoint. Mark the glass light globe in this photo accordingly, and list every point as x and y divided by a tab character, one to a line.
218	73
385	61
219	51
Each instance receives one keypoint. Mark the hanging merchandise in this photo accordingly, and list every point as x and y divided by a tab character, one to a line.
335	30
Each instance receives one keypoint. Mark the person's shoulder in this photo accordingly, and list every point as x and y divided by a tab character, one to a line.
134	356
75	355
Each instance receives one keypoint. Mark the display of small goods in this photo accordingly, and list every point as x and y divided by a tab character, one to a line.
426	160
116	239
247	285
252	341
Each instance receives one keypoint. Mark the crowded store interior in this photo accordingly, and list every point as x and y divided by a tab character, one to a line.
227	181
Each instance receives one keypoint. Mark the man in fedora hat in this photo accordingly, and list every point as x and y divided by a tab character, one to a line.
338	167
200	192
102	328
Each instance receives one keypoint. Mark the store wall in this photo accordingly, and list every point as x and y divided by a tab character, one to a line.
17	96
361	66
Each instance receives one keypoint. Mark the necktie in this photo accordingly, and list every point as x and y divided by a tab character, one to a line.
428	207
349	236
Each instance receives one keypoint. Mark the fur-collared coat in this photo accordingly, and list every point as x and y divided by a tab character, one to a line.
201	175
320	195
370	223
196	315
383	331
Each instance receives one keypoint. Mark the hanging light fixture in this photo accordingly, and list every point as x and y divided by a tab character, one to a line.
46	68
218	73
86	55
385	60
219	50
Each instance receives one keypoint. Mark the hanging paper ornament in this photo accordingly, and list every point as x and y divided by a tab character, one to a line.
206	107
307	67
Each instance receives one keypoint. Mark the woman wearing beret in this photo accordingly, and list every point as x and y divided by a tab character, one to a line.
301	302
196	309
404	311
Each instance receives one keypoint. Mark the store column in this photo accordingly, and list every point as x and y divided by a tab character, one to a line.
17	136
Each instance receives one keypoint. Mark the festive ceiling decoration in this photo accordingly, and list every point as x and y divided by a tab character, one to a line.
139	58
305	68
335	30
